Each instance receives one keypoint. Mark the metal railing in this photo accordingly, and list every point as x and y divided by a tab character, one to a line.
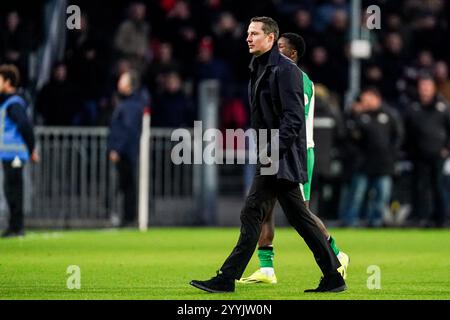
75	185
173	188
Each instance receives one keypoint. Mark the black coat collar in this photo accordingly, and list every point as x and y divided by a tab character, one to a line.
273	58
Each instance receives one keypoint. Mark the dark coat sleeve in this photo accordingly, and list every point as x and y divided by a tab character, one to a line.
290	86
447	125
398	129
18	114
117	131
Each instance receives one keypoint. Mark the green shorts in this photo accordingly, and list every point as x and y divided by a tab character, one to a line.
306	188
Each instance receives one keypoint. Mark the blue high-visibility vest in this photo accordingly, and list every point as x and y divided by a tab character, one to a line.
12	145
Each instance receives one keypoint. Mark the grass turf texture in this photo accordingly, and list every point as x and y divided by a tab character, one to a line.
159	264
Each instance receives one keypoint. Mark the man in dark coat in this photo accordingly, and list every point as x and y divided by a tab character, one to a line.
427	123
123	141
276	98
377	132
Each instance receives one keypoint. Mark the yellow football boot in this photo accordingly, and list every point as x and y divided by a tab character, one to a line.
259	277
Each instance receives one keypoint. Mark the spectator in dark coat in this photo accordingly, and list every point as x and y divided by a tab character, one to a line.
428	130
180	30
58	102
378	133
123	141
209	67
87	66
163	64
15	44
172	109
392	64
229	47
442	79
133	36
321	67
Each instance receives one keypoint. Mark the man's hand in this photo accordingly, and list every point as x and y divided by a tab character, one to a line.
445	153
267	164
35	156
114	156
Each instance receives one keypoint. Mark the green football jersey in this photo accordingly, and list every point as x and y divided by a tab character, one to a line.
308	88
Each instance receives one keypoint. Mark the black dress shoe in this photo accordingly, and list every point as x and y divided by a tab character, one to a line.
218	284
12	234
331	283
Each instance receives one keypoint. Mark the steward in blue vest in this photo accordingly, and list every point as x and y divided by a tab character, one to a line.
14	126
16	146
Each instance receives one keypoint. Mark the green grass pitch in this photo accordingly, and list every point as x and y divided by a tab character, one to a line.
414	264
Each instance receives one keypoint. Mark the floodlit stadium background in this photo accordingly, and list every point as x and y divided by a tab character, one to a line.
178	47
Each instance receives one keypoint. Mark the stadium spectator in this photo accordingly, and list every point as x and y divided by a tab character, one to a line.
228	45
422	65
87	66
17	147
378	133
207	13
58	102
321	67
392	62
180	30
428	35
208	67
123	141
287	7
372	75
335	39
395	24
15	44
442	80
233	115
133	38
301	20
172	109
325	13
427	125
163	64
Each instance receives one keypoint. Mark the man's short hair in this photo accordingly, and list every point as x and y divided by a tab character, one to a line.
425	76
269	25
373	90
11	73
296	42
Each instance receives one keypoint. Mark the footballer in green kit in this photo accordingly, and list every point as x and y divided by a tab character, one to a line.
292	46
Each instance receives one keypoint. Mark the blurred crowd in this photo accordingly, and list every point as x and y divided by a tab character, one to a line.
173	45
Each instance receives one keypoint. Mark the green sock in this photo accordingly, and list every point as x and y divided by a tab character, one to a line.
333	245
265	255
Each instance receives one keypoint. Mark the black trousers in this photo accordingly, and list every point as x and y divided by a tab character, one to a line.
263	194
13	189
128	186
428	191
